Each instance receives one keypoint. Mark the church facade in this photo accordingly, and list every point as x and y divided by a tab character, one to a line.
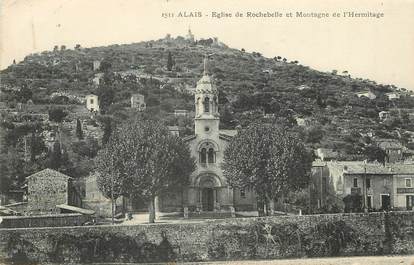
208	190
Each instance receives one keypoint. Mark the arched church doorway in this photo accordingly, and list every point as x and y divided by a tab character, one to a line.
209	187
208	199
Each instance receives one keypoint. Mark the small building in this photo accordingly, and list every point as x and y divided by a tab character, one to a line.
181	112
92	102
393	148
326	154
367	94
304	122
174	130
393	95
96	65
190	36
48	188
384	115
269	115
97	79
138	102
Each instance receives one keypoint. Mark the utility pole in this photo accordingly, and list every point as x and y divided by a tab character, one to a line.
364	186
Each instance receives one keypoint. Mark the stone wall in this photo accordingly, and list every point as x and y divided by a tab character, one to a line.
70	219
236	238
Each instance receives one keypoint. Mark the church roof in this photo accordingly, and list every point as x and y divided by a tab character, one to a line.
229	132
189	138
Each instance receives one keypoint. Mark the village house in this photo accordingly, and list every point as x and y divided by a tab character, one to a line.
96	80
48	192
367	94
379	187
138	102
174	130
92	102
303	121
384	115
181	112
393	149
96	65
393	95
326	154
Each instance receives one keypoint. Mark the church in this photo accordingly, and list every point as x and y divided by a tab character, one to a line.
208	190
208	193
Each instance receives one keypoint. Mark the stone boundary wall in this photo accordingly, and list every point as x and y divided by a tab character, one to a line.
228	239
44	220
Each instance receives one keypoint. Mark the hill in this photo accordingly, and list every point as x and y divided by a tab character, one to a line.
324	108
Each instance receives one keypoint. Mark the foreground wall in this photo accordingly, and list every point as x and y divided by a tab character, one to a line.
69	219
244	238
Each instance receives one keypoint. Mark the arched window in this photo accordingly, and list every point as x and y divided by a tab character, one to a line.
206	105
203	156
215	105
198	106
211	156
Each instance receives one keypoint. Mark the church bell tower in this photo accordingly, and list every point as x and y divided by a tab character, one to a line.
206	104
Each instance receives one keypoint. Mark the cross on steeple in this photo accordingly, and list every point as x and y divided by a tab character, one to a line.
206	59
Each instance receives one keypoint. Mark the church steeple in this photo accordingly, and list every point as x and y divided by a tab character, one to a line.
206	100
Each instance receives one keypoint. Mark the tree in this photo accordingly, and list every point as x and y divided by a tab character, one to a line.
24	94
105	66
269	160
79	132
374	153
37	146
55	156
148	159
57	115
107	127
106	94
170	62
111	178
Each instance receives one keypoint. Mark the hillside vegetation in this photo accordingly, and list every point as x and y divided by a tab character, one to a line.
251	87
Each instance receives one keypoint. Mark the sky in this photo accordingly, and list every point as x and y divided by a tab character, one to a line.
380	49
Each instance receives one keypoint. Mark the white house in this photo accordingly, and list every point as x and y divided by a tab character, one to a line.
92	102
181	112
96	65
325	154
393	95
367	94
383	115
138	102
